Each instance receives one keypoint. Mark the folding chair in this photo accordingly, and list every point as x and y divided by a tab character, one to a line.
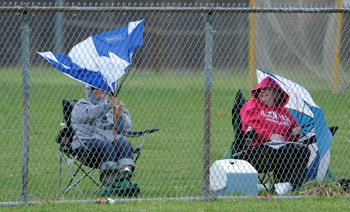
65	138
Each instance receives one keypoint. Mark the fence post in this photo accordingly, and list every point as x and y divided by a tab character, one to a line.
58	28
251	43
25	105
207	104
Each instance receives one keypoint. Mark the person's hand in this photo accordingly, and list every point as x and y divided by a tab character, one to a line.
296	130
277	137
112	102
120	109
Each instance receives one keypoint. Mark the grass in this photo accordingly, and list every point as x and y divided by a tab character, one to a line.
171	162
267	205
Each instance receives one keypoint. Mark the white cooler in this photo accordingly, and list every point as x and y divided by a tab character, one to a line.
232	176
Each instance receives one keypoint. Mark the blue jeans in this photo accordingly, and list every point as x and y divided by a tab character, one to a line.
106	154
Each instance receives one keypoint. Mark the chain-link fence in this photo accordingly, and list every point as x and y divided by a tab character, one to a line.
193	61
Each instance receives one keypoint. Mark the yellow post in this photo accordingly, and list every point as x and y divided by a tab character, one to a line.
337	49
251	49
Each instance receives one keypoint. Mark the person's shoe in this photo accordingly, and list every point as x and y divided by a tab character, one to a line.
121	186
283	188
125	170
108	176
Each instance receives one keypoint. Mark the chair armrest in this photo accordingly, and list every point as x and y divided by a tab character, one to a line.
133	133
238	155
249	136
312	139
333	129
64	138
137	150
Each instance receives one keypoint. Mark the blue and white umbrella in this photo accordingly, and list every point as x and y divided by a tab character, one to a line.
311	118
100	60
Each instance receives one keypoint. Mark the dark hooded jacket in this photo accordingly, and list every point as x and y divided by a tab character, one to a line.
92	119
267	120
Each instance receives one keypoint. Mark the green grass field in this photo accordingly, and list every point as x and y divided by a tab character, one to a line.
171	161
233	205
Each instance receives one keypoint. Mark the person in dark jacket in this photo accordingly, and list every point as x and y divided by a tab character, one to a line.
276	147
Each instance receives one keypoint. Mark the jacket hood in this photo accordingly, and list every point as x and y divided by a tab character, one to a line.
92	98
268	82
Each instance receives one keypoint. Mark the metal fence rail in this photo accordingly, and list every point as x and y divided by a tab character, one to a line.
193	61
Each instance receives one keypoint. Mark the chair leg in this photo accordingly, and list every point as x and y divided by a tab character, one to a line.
72	175
79	167
87	174
137	156
71	184
99	187
263	181
80	179
59	173
140	146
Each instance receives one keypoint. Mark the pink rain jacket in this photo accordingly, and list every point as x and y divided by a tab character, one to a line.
265	120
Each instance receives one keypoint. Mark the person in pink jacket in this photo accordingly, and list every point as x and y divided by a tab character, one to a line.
275	146
265	113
